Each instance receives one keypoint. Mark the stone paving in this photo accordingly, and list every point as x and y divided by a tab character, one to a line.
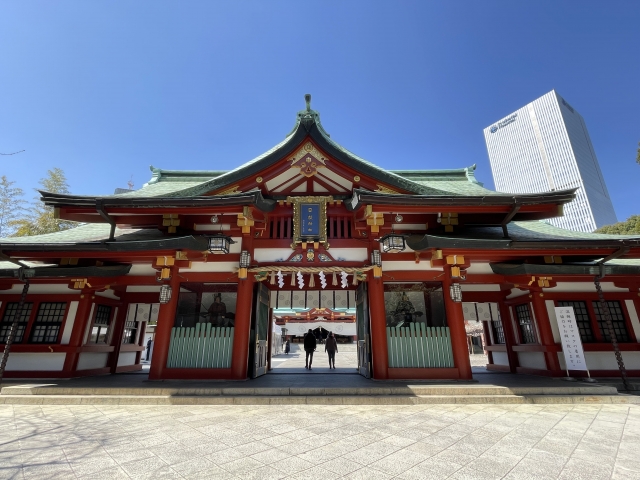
323	442
293	362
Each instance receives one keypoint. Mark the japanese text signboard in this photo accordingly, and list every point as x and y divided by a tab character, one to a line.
570	336
310	216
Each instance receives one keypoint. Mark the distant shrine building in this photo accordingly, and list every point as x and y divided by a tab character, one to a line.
308	235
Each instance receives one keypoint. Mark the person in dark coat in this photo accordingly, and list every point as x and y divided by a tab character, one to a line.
331	347
309	348
287	347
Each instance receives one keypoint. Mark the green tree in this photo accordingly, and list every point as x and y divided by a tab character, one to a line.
11	206
41	219
630	227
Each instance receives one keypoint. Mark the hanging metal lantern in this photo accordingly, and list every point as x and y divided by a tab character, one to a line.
376	258
220	244
165	293
455	292
393	243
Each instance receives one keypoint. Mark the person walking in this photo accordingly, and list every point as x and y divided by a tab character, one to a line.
331	347
149	342
309	348
287	347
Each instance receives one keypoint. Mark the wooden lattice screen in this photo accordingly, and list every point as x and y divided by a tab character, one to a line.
200	347
419	346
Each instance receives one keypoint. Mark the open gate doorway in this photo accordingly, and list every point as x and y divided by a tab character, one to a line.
282	318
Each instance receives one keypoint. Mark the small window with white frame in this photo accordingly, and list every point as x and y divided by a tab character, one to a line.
100	327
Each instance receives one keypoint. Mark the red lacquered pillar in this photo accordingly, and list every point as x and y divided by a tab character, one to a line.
455	321
379	348
242	325
546	334
242	329
166	320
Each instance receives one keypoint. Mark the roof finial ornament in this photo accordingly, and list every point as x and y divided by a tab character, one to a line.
307	98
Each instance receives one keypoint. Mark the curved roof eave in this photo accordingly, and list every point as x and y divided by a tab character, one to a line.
307	125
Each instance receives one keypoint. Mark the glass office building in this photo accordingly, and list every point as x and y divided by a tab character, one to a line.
545	146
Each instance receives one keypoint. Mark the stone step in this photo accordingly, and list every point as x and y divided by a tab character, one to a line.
410	390
314	400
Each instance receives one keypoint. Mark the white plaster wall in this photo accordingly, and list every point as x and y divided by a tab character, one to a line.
49	362
68	326
500	358
482	268
532	360
516	292
272	254
633	316
107	294
91	360
350	254
211	266
388	266
584	287
553	320
126	358
143	270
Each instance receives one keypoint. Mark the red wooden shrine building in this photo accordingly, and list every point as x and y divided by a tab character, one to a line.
308	226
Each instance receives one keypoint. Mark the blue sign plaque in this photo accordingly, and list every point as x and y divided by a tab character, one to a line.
310	219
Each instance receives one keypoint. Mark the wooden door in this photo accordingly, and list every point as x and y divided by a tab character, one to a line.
261	331
364	331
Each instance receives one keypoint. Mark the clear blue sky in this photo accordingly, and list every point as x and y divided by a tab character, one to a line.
103	89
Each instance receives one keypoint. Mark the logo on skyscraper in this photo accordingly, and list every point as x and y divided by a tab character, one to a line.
494	129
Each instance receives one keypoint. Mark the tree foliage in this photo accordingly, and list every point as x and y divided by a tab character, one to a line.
630	227
41	219
11	206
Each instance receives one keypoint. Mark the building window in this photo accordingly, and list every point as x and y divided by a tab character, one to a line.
583	320
101	324
617	318
525	322
9	316
130	330
46	326
498	331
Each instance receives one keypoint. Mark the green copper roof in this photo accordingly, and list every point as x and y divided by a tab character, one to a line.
175	183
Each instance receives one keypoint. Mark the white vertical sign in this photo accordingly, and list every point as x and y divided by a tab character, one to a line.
570	336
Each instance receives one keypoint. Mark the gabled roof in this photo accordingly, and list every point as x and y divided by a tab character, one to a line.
184	183
95	237
173	184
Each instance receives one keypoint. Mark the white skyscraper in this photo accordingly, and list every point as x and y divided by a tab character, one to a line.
545	146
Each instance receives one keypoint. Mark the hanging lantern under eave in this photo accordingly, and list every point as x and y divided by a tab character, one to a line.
393	243
220	244
165	294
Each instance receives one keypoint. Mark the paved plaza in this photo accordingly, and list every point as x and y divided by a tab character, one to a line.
323	442
294	361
